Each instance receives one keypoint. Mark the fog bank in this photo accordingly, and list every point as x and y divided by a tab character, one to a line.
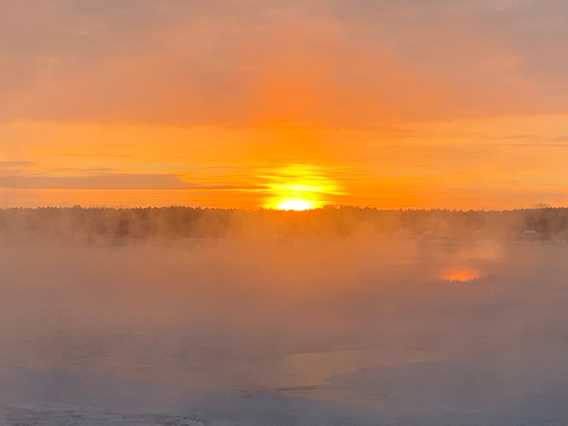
283	319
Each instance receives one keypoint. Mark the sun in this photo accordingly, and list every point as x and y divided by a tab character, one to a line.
295	205
298	188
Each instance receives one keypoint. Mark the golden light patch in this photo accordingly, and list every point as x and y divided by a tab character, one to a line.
461	275
298	187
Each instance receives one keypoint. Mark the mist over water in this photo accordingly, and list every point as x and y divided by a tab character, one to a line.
315	319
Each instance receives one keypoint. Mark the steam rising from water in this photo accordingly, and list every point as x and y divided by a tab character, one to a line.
263	329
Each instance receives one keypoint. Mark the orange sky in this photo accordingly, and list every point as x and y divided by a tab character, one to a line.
136	103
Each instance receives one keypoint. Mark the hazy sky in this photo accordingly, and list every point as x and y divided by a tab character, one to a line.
398	103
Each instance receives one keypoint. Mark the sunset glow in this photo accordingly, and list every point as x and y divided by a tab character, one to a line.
299	187
214	103
275	212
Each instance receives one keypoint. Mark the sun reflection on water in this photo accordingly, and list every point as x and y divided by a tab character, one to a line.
461	275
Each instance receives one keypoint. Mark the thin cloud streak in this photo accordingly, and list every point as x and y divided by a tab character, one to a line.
110	181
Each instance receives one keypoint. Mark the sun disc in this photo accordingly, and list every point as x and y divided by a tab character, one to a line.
298	188
297	205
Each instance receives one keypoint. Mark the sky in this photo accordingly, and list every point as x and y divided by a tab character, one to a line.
254	103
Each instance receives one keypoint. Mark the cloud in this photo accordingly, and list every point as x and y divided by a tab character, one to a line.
103	181
15	164
328	62
114	181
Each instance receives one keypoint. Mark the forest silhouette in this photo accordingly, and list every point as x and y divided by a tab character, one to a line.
115	225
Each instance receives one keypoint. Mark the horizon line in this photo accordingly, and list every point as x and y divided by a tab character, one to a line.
267	210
